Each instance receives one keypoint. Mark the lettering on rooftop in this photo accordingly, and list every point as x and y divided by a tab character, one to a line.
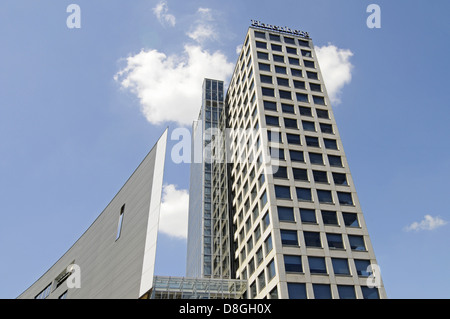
259	24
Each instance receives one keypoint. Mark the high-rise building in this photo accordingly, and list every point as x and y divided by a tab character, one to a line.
295	227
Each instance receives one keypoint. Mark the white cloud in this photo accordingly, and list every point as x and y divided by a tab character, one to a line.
162	13
170	87
336	69
203	29
173	219
428	223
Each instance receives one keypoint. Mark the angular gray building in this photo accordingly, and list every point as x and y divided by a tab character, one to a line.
115	257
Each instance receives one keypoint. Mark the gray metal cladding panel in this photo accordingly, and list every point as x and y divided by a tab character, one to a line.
109	268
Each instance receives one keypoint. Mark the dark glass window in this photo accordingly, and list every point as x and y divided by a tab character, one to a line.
289	237
320	176
306	111
335	241
309	64
285	213
326	128
280	69
324	196
278	58
299	84
357	242
271	106
346	292
268	91
312	239
335	161
272	120
300	174
309	126
301	97
296	156
274	37
350	219
282	192
340	179
289	40
329	217
293	263
284	82
277	153
281	172
316	158
318	99
290	123
264	67
370	293
291	50
276	47
322	291
340	266
296	290
306	53
262	55
285	94
315	87
266	78
303	194
345	198
361	267
312	141
330	144
323	114
261	45
317	265
294	61
261	35
287	108
312	75
293	139
308	215
296	72
303	43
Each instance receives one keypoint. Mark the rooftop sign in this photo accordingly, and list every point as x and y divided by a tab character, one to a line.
259	24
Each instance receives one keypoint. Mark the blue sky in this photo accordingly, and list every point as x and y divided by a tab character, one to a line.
79	111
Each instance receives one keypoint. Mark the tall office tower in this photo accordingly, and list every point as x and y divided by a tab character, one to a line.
205	259
299	231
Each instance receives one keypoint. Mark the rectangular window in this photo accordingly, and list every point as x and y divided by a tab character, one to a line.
361	267
285	94
370	293
312	75
272	120
290	123
309	64
300	174
293	263
119	225
312	239
277	153
345	198
320	177
303	194
261	35
335	160
308	215
316	158
271	270
326	128
329	217
330	144
261	45
318	99
291	50
323	114
357	242
315	87
268	244
317	265
270	106
281	172
282	192
350	219
312	141
301	97
284	82
305	111
287	108
274	37
285	214
276	47
262	55
306	53
340	266
266	78
278	58
335	241
299	84
289	40
303	43
264	67
294	61
340	179
322	291
324	196
296	72
289	237
268	91
346	292
296	156
296	290
309	126
293	139
274	137
280	69
266	221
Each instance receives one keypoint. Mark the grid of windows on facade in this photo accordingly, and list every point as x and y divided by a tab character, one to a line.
213	106
277	105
